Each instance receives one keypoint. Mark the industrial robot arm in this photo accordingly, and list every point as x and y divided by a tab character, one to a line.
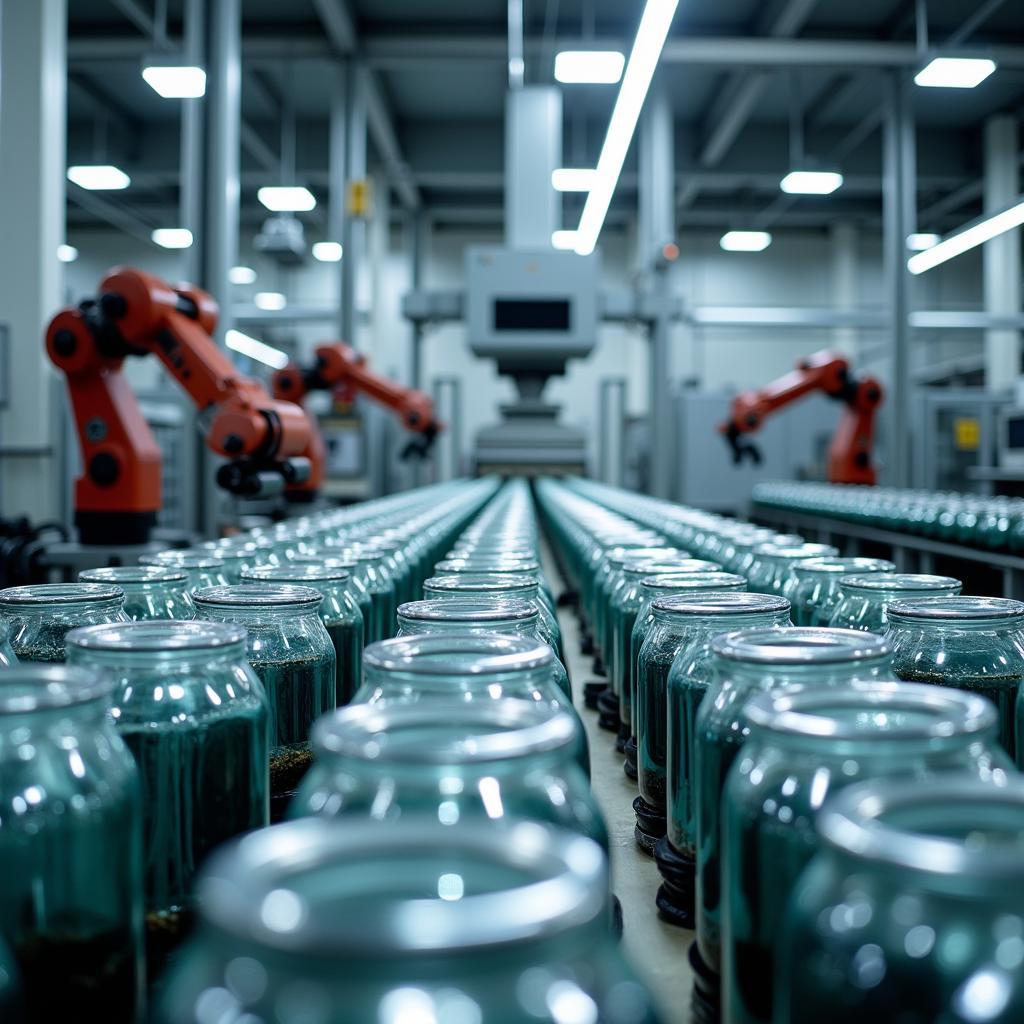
849	455
343	370
137	314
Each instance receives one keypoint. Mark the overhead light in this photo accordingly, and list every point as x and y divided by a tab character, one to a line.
643	59
573	179
287	198
969	237
175	82
922	240
563	239
254	349
270	300
172	238
589	67
811	183
98	177
955	72
327	252
241	275
745	241
67	253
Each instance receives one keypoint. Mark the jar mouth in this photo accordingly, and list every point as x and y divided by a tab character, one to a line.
294	573
433	654
794	553
411	887
443	733
59	593
448	566
259	595
844	566
159	635
873	712
620	558
25	689
906	582
695	581
120	575
955	609
183	561
480	583
664	568
328	562
467	610
800	645
948	826
725	603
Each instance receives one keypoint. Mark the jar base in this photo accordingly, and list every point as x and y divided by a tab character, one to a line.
676	899
599	669
586	644
706	997
608	706
629	766
591	693
650	825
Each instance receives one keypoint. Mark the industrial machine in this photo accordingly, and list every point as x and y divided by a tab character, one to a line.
136	314
850	453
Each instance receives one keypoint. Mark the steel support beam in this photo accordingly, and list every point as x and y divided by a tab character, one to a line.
138	15
336	177
355	228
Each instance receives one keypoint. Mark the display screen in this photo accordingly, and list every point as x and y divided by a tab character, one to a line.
531	314
1015	432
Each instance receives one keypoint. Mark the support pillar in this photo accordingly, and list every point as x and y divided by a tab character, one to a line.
33	75
1001	255
336	172
354	227
845	238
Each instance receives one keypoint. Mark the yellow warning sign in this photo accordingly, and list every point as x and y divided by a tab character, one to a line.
966	433
360	198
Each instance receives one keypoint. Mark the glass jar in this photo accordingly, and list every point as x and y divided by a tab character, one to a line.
38	616
864	600
12	1000
911	909
150	592
235	558
453	762
813	588
7	655
745	664
416	922
689	677
803	748
195	718
772	567
370	568
70	847
339	613
292	654
203	570
356	586
970	643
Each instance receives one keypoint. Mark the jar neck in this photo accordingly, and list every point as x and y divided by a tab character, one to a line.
752	673
158	660
999	626
63	609
255	615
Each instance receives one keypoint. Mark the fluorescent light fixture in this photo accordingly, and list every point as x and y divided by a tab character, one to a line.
182	82
573	179
922	240
98	177
745	241
967	238
563	240
589	67
287	198
67	253
643	59
172	238
955	72
270	300
327	252
258	350
241	275
811	183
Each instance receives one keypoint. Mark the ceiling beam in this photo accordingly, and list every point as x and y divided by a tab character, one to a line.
338	23
114	214
137	15
254	144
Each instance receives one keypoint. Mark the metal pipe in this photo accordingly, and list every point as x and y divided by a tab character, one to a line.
336	177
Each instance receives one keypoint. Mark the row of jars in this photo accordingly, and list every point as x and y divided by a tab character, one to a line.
747	726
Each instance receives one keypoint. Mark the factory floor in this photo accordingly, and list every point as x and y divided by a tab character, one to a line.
657	950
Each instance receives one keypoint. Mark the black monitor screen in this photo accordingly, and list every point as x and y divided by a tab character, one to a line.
531	314
1015	432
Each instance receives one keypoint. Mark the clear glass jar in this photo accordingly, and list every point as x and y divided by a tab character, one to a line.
911	909
970	643
803	748
12	1000
7	655
356	586
38	616
203	570
745	664
195	717
864	600
70	847
455	762
813	588
689	677
235	558
150	592
292	654
414	923
339	613
371	569
772	567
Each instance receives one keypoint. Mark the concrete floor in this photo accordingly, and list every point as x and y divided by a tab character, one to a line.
657	950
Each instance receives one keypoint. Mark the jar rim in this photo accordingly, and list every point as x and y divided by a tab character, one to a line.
463	609
908	581
481	582
569	892
119	575
156	635
957	607
851	822
490	731
259	595
844	565
656	567
446	565
330	562
294	573
26	688
36	594
695	581
425	654
724	603
794	552
183	560
800	645
620	558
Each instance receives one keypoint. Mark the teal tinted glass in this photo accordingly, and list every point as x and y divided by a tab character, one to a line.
150	592
864	600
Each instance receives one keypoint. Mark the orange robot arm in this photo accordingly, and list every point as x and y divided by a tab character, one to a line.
849	456
137	314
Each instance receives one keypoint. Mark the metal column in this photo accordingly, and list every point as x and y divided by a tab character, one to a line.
844	237
899	216
417	241
533	150
191	188
336	173
611	439
355	227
